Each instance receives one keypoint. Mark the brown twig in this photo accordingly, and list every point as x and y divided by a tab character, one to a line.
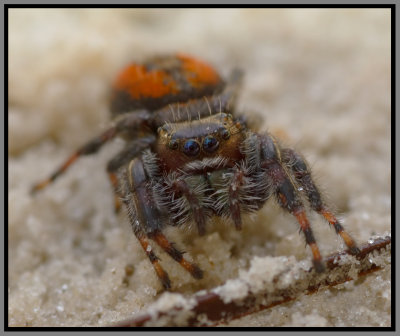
213	308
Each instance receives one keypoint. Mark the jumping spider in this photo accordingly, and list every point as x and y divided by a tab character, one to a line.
188	157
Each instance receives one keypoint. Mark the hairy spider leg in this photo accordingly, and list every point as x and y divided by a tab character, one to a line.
131	150
175	254
147	222
161	273
89	148
131	121
302	175
287	195
142	214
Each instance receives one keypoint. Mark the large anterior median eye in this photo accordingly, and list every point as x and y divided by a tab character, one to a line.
210	144
191	148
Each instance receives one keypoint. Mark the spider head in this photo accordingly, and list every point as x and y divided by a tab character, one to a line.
217	136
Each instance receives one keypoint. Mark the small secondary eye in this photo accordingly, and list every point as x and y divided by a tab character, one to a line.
210	144
173	144
225	134
191	148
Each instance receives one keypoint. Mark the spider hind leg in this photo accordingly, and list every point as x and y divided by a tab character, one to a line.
302	175
90	147
287	195
146	221
130	122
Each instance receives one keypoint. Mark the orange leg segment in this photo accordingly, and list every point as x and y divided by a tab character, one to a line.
91	147
177	255
310	240
350	243
162	275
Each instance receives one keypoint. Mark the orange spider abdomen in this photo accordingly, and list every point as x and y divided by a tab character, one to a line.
161	81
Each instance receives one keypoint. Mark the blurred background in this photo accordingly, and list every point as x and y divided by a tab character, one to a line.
290	56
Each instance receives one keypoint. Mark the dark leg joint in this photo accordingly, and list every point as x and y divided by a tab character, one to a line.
91	147
309	236
165	281
354	250
55	175
174	253
319	266
338	227
94	145
196	272
153	258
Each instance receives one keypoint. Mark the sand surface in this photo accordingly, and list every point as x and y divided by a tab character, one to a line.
319	79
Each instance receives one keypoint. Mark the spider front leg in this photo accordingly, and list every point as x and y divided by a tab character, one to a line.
302	175
286	194
131	150
131	121
146	221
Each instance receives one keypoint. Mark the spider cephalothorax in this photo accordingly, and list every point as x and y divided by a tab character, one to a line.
188	158
181	144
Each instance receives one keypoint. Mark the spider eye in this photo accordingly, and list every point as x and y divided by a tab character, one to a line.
210	144
191	148
225	134
173	144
